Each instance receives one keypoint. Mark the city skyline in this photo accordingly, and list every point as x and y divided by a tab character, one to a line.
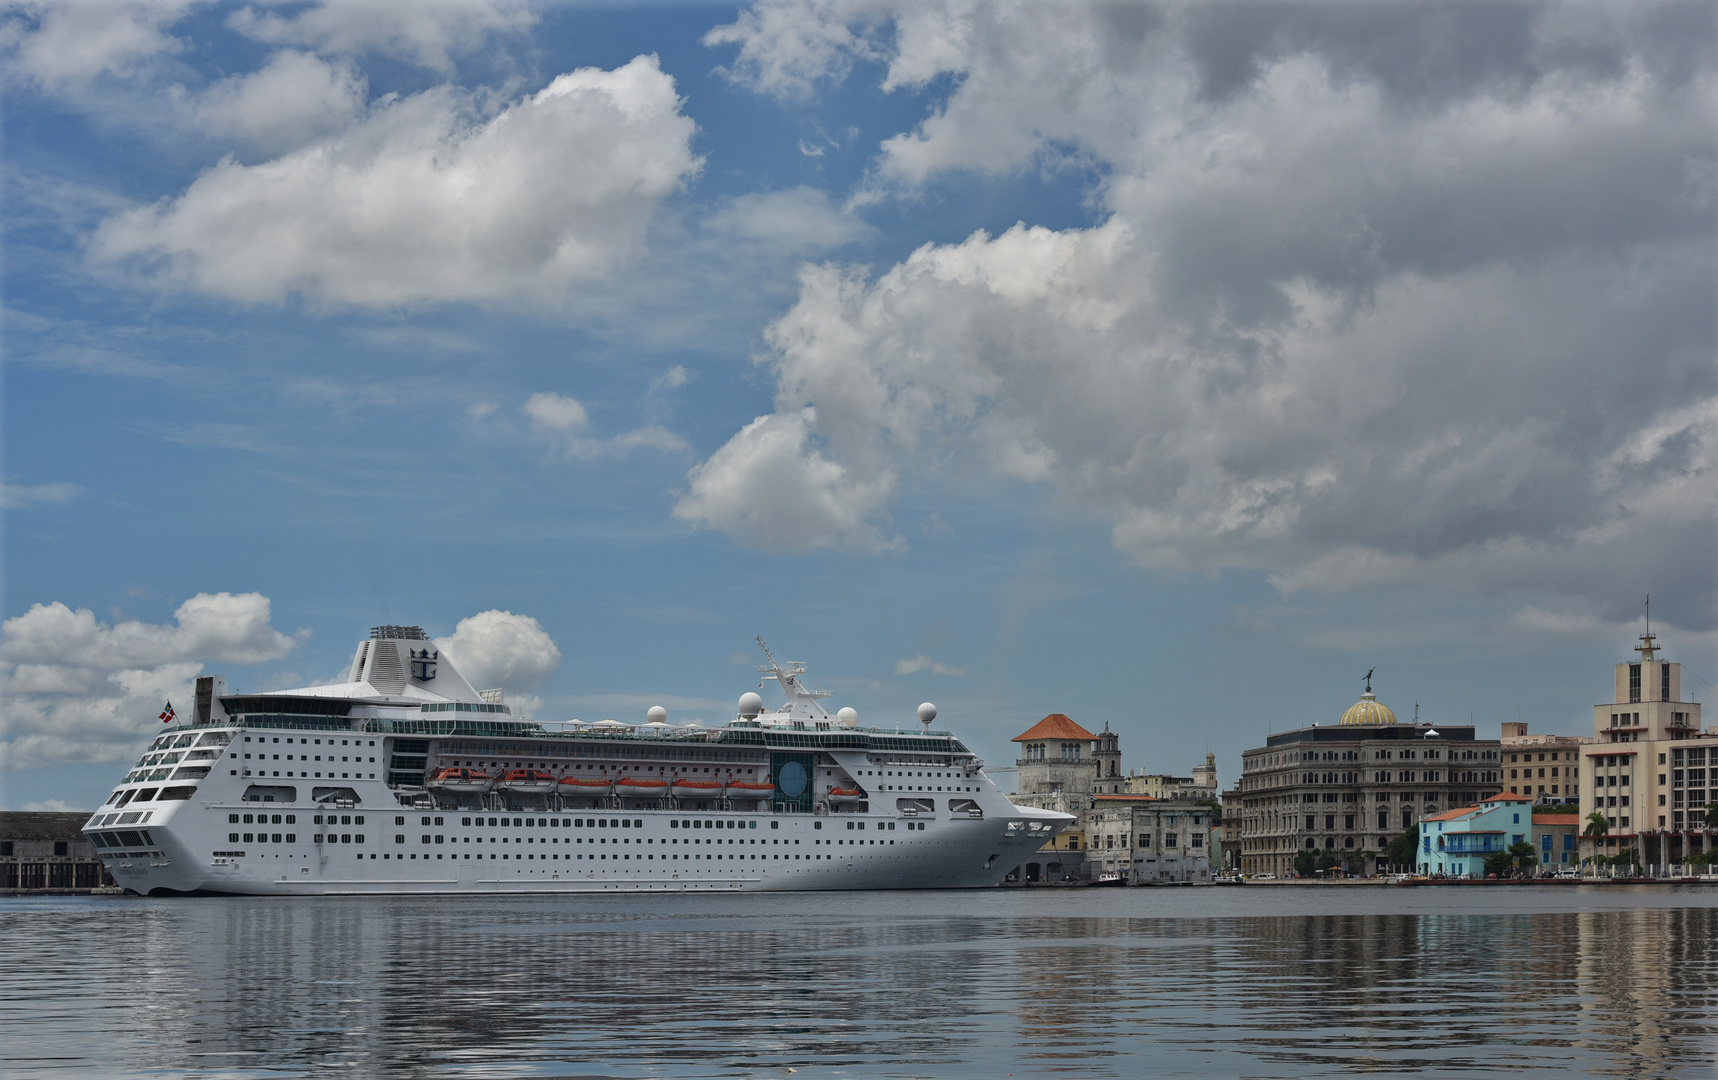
1165	367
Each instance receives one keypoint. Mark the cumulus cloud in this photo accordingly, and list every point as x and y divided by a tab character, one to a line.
426	200
1350	316
772	487
798	220
501	649
563	422
61	47
922	662
292	99
428	33
77	689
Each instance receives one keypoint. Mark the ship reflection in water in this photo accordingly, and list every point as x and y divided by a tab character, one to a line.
1194	982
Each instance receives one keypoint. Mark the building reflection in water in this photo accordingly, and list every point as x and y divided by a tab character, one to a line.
744	985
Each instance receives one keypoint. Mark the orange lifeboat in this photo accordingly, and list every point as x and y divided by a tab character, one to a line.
747	789
452	778
585	787
696	789
641	787
840	796
527	782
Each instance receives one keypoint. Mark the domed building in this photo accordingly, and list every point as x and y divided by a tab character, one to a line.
1368	710
1351	787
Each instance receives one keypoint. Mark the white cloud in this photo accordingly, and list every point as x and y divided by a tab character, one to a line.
672	379
55	806
797	220
787	48
922	662
1335	325
771	487
426	32
292	99
564	423
552	412
501	649
76	689
424	200
64	46
19	496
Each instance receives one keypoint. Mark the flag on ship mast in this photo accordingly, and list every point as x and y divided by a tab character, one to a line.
167	714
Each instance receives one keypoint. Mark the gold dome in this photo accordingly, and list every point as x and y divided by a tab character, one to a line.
1368	710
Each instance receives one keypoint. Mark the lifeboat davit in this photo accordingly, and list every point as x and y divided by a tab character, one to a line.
527	782
641	787
747	789
451	778
586	787
696	789
841	796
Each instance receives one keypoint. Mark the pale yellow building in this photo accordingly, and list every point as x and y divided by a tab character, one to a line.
1649	767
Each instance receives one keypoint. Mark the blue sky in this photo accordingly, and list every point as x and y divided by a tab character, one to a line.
1163	366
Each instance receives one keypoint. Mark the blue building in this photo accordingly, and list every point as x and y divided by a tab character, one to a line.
1456	843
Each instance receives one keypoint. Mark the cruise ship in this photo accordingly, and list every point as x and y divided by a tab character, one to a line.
407	779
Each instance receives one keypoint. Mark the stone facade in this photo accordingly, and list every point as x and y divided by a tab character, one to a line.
1352	787
1546	768
1649	768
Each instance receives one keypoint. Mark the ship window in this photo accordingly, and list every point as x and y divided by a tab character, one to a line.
673	824
357	839
233	819
292	819
817	824
437	821
465	821
399	821
775	824
492	821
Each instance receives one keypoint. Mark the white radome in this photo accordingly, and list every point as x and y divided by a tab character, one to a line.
657	715
927	713
849	717
751	705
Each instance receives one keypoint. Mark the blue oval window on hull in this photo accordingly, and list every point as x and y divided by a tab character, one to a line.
792	779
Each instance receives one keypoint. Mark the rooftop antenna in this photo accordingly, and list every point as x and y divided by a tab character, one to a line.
1647	646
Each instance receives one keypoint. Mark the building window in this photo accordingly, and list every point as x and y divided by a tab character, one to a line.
1664	682
1634	683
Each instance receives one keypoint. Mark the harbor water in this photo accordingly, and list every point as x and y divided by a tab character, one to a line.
1256	981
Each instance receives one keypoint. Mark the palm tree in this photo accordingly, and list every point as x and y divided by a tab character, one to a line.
1598	827
1712	816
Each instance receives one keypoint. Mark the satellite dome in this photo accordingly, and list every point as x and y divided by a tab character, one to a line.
751	705
849	717
657	715
927	713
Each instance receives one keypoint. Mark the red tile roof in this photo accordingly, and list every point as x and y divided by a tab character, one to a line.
1451	815
1556	819
1504	796
1055	726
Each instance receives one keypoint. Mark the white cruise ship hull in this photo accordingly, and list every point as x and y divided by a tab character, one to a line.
323	791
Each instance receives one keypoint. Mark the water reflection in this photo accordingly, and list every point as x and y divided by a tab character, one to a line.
1070	984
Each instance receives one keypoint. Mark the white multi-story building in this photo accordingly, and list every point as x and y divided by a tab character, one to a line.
1649	769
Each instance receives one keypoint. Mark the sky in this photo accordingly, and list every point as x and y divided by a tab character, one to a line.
1167	366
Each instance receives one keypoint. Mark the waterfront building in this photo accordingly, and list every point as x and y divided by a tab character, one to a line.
1058	765
1201	785
1352	787
1457	843
47	852
1649	767
1138	840
1528	758
1556	836
1122	834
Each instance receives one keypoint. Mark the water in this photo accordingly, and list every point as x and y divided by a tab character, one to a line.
1249	982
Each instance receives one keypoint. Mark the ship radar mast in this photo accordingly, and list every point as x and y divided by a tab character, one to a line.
787	676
